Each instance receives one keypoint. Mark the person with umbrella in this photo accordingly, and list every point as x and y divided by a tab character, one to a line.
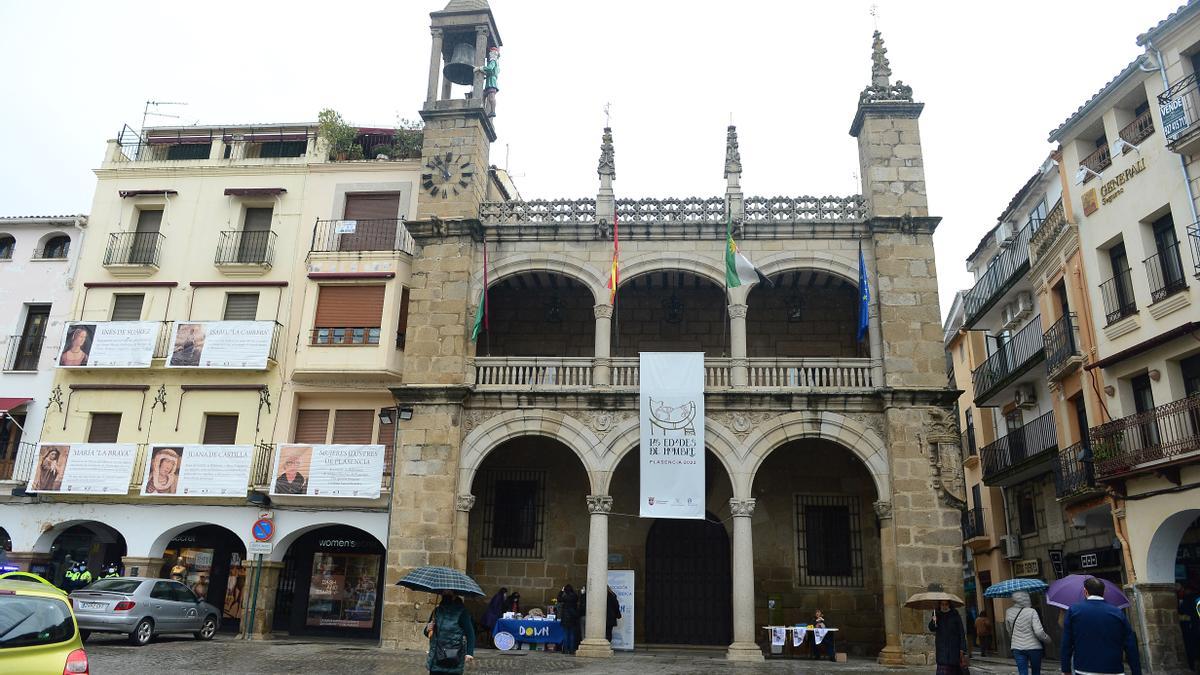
1024	624
450	630
950	636
1095	633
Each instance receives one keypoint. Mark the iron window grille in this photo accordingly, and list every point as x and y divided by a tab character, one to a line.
514	512
829	541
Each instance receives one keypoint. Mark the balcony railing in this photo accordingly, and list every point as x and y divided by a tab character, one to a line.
134	248
1194	237
1165	273
968	442
973	524
1179	106
1009	265
1074	472
1117	293
1160	435
347	336
1098	161
533	372
378	234
811	373
1014	357
17	464
246	247
1062	344
1054	223
1138	130
1020	445
24	351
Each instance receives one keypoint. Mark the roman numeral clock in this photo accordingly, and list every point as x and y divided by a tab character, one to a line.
447	175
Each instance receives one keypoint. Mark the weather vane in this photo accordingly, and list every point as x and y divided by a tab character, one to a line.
875	15
607	113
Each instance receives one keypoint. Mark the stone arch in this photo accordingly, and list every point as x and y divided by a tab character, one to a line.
702	266
850	433
626	436
284	543
1164	545
46	539
159	544
528	422
536	262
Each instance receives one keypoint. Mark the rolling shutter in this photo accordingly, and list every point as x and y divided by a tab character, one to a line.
376	215
241	306
149	221
220	429
353	427
311	426
127	307
385	205
105	427
349	307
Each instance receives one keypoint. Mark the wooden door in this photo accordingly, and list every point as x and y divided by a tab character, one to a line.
688	583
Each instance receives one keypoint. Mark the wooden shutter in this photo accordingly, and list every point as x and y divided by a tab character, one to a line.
149	221
220	429
349	307
105	427
258	219
311	426
373	206
127	307
353	427
241	306
377	215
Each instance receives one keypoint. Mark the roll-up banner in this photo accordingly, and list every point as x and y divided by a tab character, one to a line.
328	470
108	344
83	468
197	471
672	425
221	344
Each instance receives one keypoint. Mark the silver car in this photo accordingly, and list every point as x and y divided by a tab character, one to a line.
142	608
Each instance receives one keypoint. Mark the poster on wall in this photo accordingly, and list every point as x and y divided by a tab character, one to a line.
342	591
83	468
108	344
672	440
621	581
221	344
197	471
328	470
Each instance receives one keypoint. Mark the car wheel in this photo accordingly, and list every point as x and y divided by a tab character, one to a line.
208	629
142	633
84	635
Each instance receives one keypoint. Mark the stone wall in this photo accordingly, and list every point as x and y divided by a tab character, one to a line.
889	150
827	327
519	324
908	310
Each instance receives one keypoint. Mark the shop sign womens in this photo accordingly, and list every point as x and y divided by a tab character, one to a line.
672	440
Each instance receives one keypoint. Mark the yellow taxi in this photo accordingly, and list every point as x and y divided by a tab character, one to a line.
38	634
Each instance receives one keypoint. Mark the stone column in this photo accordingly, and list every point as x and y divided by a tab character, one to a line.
481	48
744	648
875	332
435	67
602	360
891	655
1156	621
594	643
26	560
738	363
462	520
142	567
264	605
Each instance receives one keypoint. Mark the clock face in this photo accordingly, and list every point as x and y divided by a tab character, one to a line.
447	175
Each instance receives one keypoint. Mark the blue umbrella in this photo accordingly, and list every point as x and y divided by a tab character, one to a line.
432	579
1006	588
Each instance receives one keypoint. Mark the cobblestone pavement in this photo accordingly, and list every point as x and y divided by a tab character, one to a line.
110	655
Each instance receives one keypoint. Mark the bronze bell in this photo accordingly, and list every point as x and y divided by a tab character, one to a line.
460	69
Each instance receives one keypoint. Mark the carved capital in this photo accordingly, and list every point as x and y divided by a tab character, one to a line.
742	508
599	504
464	503
436	32
602	311
883	509
737	311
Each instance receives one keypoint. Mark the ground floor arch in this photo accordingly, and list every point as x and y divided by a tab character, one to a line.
687	596
330	584
208	559
92	543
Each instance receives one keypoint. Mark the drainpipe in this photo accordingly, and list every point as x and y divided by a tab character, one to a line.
1187	181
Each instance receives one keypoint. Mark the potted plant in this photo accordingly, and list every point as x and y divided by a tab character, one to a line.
408	140
338	134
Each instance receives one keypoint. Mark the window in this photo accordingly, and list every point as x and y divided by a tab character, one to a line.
273	149
143	247
220	429
1143	401
189	151
1036	216
7	245
1191	374
241	306
353	427
513	513
377	216
971	433
127	307
33	621
1027	513
402	323
29	348
56	247
181	593
829	540
104	428
348	315
1117	292
1165	267
163	590
255	236
1060	292
311	426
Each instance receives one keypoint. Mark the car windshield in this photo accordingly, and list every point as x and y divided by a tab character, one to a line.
115	585
27	620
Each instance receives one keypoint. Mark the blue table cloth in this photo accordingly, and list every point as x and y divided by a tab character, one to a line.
525	630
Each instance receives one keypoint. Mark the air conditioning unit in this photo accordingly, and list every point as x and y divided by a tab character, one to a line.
1024	304
1025	396
1004	234
1011	544
1008	315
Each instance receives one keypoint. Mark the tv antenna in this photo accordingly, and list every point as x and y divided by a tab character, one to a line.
151	110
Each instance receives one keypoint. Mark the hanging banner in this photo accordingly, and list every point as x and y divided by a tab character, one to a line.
108	344
672	442
621	582
83	468
197	471
221	344
328	470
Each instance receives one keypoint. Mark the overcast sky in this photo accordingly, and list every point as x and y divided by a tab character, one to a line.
996	77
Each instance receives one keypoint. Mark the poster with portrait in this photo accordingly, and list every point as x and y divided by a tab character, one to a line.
108	344
672	435
328	470
83	468
197	470
221	344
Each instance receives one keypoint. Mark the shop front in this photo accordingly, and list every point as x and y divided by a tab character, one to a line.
95	543
208	559
330	584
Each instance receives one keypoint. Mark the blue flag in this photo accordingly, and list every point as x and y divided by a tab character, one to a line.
864	296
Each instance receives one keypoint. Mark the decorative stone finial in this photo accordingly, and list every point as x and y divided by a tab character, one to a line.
608	164
733	158
881	71
881	88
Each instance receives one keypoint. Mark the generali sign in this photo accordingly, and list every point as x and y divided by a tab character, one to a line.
1116	187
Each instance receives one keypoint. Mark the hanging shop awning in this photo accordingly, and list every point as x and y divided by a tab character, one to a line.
7	404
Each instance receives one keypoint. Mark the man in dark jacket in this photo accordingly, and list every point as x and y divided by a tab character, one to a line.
1095	633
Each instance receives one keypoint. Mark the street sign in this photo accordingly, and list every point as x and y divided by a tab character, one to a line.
263	530
259	548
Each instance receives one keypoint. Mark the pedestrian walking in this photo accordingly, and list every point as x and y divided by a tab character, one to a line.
612	614
950	642
451	636
983	632
1028	635
1094	635
568	615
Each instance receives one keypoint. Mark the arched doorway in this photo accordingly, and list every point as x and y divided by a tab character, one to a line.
688	583
1174	554
330	584
91	541
208	559
5	547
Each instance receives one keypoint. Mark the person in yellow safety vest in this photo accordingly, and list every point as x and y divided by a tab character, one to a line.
110	571
85	575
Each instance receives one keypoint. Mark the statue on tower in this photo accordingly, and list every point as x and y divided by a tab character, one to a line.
490	70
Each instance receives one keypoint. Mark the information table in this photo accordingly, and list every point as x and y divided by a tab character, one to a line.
531	630
790	650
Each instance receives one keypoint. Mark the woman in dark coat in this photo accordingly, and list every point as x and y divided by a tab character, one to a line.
513	603
450	627
568	615
612	614
494	610
950	643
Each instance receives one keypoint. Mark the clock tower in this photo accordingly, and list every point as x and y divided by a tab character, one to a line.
458	125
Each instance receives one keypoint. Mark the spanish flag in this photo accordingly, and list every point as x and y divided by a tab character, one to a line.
614	275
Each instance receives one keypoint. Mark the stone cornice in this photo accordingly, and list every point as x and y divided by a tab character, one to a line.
904	224
902	109
430	394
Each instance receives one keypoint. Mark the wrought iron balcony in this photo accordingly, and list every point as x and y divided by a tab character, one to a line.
968	443
1138	130
360	236
134	248
1000	276
1074	471
1194	237
1179	107
1160	436
246	247
24	352
1017	455
1015	357
1165	273
973	523
1062	347
16	461
1117	293
1098	161
1045	236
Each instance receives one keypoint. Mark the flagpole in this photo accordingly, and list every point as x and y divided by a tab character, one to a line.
616	263
487	329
